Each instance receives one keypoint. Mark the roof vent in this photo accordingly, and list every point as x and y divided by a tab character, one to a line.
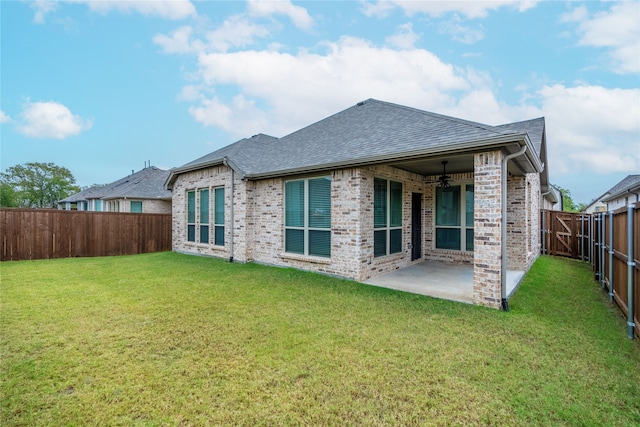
360	104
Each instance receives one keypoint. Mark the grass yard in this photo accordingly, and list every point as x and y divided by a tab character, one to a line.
169	339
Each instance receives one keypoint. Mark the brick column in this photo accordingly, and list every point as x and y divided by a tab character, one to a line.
517	218
487	261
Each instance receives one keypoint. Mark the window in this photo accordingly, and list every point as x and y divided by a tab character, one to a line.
308	217
454	217
198	226
135	207
218	216
191	216
387	217
204	216
98	205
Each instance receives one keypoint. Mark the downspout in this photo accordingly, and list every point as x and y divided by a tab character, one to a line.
503	228
231	196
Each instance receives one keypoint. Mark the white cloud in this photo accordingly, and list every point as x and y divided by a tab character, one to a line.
4	118
298	14
578	14
459	32
179	41
470	9
404	38
42	7
168	9
190	93
236	31
50	120
241	113
592	129
296	90
617	29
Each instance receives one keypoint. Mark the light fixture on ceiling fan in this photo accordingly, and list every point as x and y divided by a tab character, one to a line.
444	179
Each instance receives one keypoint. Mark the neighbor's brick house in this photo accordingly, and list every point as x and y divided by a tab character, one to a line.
358	194
140	192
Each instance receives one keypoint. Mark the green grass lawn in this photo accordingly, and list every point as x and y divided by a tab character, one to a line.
169	339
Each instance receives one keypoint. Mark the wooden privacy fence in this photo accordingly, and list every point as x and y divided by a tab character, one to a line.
39	234
616	260
610	241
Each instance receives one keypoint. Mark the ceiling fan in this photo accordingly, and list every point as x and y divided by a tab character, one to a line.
444	180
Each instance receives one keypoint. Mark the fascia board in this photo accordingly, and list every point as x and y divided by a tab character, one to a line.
168	184
634	188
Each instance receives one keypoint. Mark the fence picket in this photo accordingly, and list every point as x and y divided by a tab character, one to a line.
46	233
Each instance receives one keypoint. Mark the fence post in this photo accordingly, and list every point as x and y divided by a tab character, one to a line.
630	265
610	255
603	248
591	219
544	232
581	237
597	250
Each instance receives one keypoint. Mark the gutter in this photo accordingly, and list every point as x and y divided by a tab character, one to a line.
503	228
451	149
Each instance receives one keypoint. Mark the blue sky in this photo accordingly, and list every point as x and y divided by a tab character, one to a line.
101	87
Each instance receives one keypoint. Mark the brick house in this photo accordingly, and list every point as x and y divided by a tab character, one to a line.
140	192
364	192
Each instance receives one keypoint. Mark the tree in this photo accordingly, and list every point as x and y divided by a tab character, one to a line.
7	196
36	185
568	205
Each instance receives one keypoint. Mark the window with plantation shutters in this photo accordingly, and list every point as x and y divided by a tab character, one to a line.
204	216
191	216
454	217
308	217
387	217
218	217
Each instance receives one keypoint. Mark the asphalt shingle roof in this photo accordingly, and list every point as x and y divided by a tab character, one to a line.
627	182
145	184
370	129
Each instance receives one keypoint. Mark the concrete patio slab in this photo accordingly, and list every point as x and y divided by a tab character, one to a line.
440	280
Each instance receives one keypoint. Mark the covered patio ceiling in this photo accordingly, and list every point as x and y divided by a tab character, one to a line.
456	163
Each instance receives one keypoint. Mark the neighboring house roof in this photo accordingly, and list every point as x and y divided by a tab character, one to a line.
630	184
370	132
145	184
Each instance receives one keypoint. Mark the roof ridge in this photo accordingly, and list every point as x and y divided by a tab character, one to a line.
483	126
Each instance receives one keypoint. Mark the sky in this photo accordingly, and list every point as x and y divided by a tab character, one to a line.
106	87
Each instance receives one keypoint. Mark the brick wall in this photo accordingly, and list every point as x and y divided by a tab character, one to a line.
411	183
217	176
487	217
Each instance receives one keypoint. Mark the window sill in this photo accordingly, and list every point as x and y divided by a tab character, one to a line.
393	256
306	258
204	245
